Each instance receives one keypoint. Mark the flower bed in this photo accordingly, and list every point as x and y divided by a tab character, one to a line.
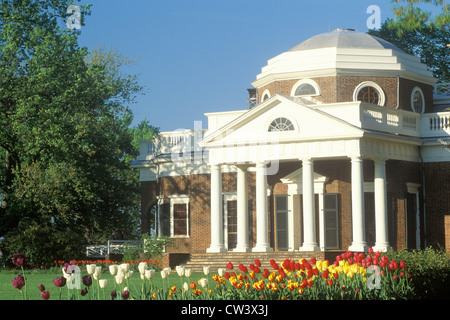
354	276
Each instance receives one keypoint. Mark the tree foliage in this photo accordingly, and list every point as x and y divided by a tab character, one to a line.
65	140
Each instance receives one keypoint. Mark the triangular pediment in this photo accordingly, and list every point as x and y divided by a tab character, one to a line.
309	124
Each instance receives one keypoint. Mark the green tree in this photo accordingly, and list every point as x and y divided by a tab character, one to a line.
427	43
64	140
409	16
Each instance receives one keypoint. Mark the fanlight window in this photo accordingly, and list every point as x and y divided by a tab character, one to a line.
281	124
369	94
305	89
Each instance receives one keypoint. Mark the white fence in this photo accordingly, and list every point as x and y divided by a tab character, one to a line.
113	247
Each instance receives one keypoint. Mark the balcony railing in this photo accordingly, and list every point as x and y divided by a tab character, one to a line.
442	89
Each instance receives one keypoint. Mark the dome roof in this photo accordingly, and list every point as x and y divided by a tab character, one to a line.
344	38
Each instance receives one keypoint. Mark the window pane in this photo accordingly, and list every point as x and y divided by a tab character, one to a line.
368	94
305	89
281	202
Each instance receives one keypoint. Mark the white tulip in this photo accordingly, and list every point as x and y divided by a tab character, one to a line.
90	268
206	270
125	267
128	274
185	287
203	282
180	270
187	273
97	273
221	272
102	283
163	274
168	270
142	267
149	274
119	278
113	269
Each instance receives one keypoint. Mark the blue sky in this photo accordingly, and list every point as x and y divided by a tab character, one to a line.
201	56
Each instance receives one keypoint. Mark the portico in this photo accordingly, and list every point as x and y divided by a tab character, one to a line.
306	147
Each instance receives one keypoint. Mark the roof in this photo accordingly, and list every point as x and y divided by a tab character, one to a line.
344	38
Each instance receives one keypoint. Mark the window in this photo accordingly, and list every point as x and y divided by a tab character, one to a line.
417	100
281	206
331	221
281	124
265	95
305	87
369	92
179	216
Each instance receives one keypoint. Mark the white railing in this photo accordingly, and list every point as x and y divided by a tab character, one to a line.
435	124
390	120
180	141
113	247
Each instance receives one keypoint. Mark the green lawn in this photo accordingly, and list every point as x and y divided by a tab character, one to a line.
35	278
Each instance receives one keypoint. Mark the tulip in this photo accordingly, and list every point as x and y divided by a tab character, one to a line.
149	274
243	268
257	263
119	278
19	282
206	270
221	271
125	295
90	268
45	295
180	270
41	288
103	283
113	294
83	292
128	274
60	282
142	267
87	280
163	274
125	267
203	282
185	287
113	269
187	273
97	273
229	265
18	259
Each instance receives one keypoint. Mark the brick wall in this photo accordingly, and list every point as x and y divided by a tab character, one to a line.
437	188
341	89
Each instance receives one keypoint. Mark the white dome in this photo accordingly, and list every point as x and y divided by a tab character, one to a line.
344	38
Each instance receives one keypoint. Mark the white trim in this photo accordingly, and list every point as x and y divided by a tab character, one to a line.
415	89
266	92
364	84
305	81
179	199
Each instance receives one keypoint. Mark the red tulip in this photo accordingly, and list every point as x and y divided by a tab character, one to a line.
243	268
41	288
19	282
60	282
45	295
370	250
402	265
274	264
257	263
125	295
325	274
313	260
229	265
18	259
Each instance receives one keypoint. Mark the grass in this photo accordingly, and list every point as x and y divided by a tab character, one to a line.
36	277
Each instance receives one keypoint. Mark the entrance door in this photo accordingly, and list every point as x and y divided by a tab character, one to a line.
232	223
281	207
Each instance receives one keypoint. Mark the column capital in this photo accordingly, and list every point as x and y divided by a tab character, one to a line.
356	158
379	159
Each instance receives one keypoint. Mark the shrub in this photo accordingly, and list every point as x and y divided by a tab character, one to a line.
149	248
430	270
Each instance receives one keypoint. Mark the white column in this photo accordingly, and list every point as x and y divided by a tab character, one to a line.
242	210
216	210
381	225
359	243
262	220
309	216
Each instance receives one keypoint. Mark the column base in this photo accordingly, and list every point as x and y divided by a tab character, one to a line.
242	249
308	247
262	249
358	247
216	249
383	247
